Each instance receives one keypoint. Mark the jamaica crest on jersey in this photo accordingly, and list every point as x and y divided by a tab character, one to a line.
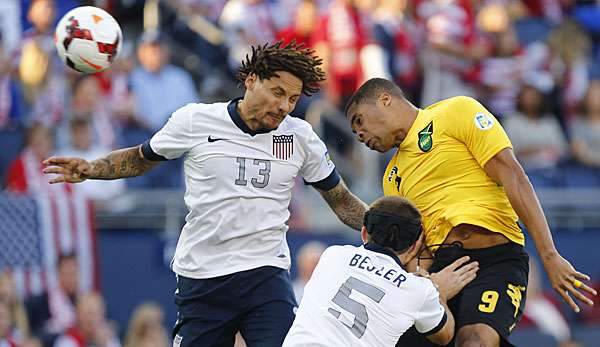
283	146
425	140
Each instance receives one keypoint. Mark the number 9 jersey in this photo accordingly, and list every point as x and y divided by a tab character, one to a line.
361	296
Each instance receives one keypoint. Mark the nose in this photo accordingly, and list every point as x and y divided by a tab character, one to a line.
284	106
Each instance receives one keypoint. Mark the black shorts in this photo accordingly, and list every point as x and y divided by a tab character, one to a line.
259	303
496	297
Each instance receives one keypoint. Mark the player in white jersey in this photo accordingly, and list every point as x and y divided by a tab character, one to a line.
363	296
241	159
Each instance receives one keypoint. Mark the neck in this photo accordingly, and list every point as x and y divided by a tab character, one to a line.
247	116
407	115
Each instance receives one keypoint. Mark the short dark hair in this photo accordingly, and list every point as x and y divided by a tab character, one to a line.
370	90
394	234
294	58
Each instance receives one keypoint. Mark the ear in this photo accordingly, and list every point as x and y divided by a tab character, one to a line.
249	81
415	248
385	99
364	235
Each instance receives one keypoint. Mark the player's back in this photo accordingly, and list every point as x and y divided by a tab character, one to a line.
361	296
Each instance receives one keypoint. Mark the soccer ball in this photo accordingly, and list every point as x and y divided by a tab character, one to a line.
88	39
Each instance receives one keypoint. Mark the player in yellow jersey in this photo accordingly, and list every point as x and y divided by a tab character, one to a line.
456	163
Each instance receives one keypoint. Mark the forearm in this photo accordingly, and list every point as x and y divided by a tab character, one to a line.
352	212
126	162
347	206
527	206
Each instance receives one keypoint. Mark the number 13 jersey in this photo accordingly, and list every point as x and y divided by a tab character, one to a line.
238	186
361	296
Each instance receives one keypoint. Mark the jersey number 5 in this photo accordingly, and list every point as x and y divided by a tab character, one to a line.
264	172
343	300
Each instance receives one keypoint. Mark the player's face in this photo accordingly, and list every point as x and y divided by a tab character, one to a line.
271	100
369	122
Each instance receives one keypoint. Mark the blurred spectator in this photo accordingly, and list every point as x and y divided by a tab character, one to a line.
8	295
40	69
31	342
246	23
453	49
43	90
53	312
305	19
81	146
306	261
25	173
91	327
338	39
501	71
537	137
570	47
585	130
5	326
159	87
10	97
90	103
146	327
394	54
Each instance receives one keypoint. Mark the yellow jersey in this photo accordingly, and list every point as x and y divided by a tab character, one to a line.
439	166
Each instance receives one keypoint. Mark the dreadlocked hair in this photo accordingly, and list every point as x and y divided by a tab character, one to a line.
293	58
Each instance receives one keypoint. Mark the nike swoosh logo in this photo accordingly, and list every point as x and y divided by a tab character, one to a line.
214	139
94	66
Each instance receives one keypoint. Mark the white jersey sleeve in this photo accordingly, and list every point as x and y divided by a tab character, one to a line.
173	139
318	166
432	315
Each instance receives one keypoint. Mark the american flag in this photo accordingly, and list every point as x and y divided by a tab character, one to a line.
35	230
283	146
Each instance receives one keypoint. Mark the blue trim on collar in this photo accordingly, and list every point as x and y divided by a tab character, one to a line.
239	122
371	246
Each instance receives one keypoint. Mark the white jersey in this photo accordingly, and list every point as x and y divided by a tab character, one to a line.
361	296
238	186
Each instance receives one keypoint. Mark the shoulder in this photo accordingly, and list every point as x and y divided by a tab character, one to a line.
301	129
455	101
338	250
296	125
201	109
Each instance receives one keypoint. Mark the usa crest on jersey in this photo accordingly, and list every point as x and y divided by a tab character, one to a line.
283	146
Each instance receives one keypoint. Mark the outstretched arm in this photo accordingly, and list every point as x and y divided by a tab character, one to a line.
126	162
347	206
505	170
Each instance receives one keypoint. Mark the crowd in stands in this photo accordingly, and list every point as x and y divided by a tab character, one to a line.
534	63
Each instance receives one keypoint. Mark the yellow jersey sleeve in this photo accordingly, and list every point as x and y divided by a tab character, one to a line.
471	123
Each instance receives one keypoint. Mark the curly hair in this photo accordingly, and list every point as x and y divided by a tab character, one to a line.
292	57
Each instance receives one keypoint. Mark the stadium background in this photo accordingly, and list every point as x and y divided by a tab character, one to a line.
535	63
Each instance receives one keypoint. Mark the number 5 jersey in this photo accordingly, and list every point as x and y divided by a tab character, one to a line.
361	296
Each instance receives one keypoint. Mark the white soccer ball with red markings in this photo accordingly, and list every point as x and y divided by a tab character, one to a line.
88	39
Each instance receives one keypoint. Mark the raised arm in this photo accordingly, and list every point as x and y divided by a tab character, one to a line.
126	162
505	170
347	206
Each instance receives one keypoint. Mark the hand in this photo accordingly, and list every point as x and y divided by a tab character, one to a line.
565	279
72	170
454	277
